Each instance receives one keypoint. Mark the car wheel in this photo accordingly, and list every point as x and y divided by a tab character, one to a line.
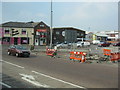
17	55
9	53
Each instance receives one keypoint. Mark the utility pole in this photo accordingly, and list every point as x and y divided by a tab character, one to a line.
51	31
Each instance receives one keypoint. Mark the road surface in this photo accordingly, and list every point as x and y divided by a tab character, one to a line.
45	72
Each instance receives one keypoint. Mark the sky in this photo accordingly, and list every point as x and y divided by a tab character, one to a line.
88	16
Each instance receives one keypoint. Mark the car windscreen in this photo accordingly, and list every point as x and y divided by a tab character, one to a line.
21	48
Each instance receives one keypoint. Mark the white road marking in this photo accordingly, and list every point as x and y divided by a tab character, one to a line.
31	79
58	80
13	64
5	85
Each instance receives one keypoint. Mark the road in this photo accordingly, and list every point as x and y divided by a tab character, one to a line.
45	72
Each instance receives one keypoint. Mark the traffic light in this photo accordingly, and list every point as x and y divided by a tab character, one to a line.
14	32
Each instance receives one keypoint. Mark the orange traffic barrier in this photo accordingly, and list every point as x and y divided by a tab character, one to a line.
72	56
112	56
81	56
115	56
107	52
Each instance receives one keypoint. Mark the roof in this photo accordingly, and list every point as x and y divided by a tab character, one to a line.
67	28
20	24
102	35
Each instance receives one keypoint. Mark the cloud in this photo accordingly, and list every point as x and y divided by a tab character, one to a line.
89	11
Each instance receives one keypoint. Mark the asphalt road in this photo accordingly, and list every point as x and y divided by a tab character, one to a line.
60	72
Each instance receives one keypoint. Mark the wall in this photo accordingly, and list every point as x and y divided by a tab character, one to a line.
28	30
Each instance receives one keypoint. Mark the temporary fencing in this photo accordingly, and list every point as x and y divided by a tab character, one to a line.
112	56
81	56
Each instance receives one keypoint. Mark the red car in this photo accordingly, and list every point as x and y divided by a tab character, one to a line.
104	44
18	50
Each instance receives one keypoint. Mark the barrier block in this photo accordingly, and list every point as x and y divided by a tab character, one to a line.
107	52
78	56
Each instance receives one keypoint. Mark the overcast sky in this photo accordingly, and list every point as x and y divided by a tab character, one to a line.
89	16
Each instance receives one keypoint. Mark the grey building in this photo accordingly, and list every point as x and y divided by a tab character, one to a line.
67	34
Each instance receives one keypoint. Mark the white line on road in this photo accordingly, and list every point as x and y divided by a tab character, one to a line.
13	64
5	85
59	80
31	79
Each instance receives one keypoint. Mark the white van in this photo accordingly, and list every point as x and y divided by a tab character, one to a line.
95	42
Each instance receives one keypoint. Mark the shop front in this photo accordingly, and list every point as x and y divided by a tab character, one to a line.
41	37
15	40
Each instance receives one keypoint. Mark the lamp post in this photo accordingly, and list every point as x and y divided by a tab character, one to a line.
51	31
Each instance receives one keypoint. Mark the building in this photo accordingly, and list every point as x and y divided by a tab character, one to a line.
67	34
96	36
90	36
101	37
112	35
32	33
42	34
38	33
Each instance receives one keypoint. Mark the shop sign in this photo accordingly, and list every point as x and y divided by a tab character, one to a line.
63	33
41	30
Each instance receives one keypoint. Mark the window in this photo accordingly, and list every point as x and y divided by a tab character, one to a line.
24	40
78	34
57	33
112	35
7	31
23	31
37	33
82	34
41	25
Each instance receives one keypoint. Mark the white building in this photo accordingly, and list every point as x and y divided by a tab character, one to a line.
112	35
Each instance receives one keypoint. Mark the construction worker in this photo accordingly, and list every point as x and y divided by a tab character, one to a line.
55	52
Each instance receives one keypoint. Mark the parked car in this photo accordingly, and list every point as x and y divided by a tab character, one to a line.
104	44
116	44
86	44
95	42
80	44
18	50
59	45
62	45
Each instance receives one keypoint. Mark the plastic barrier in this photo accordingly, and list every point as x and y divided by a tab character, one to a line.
115	56
81	56
50	52
111	56
107	52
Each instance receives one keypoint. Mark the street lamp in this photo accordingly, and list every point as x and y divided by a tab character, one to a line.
51	31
